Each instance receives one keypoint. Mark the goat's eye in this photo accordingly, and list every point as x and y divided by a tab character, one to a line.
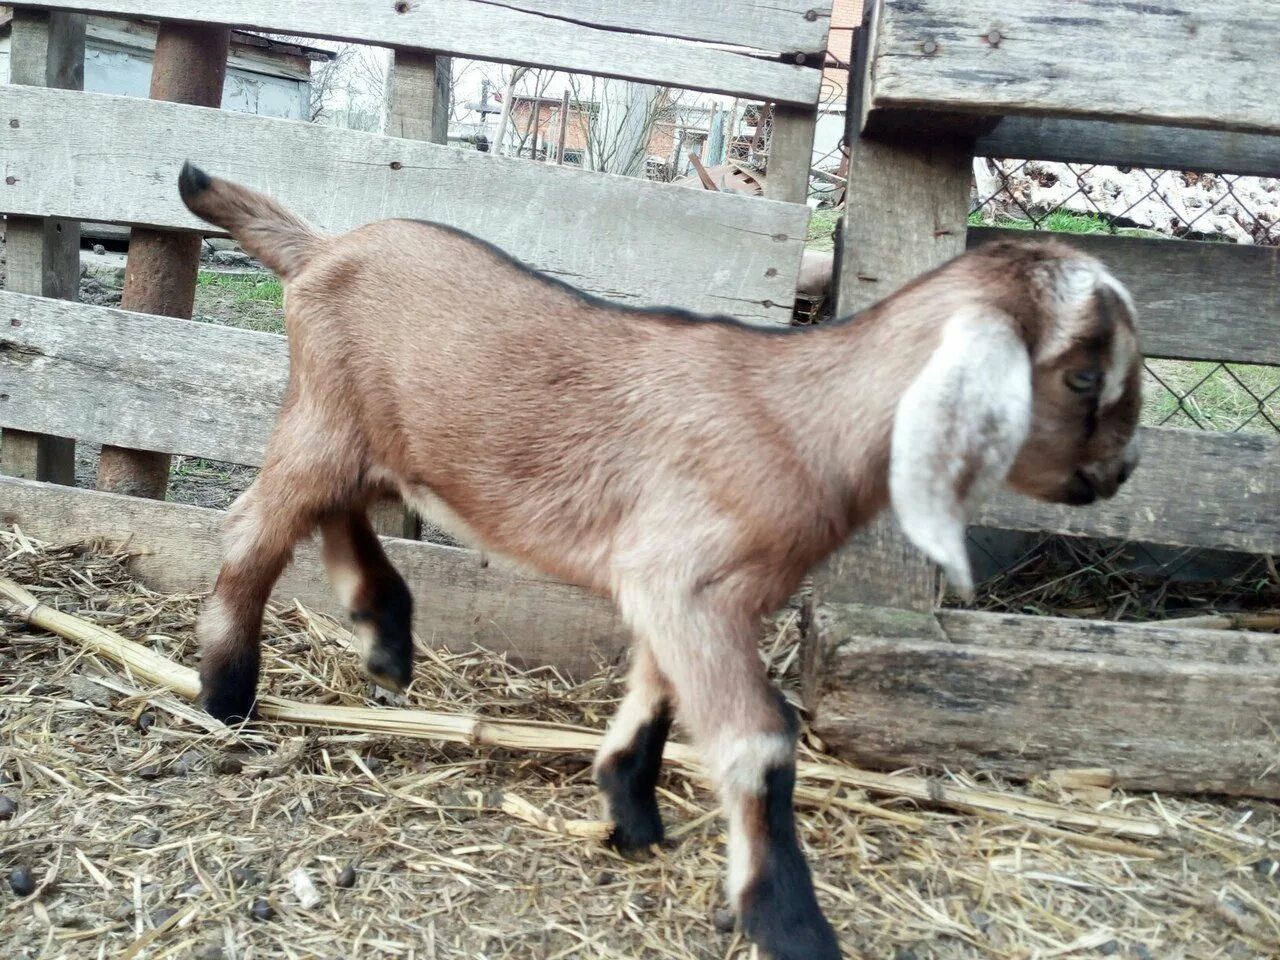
1084	381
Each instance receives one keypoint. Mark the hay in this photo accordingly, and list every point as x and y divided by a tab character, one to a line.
470	822
1121	580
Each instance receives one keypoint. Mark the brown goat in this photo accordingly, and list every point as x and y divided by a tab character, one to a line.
691	468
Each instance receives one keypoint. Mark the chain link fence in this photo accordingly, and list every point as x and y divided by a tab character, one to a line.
1125	580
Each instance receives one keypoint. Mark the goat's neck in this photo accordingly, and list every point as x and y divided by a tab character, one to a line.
843	384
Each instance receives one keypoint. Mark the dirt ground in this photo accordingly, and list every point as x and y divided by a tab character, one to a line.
149	831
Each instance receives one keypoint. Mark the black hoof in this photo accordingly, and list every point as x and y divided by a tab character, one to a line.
392	669
229	699
629	780
636	827
780	911
389	619
791	937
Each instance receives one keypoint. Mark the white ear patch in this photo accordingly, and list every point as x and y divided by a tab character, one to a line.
957	430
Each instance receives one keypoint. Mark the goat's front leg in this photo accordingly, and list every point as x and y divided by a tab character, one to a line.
375	595
629	759
747	732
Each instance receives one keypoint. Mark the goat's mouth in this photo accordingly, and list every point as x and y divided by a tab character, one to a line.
1079	491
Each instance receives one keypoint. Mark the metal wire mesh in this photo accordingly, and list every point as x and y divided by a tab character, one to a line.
1052	574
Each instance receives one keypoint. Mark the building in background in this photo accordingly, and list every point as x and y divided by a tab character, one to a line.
264	76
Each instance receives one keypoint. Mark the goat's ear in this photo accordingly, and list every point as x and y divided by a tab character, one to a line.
956	433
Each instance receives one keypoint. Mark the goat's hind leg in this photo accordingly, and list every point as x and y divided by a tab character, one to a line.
375	595
630	758
261	530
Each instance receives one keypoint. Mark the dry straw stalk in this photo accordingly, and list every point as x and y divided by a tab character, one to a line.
822	784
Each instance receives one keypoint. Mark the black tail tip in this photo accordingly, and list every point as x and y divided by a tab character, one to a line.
192	182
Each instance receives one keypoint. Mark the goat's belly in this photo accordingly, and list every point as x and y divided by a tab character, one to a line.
433	510
545	556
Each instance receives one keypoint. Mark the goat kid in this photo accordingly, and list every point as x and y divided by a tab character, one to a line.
692	468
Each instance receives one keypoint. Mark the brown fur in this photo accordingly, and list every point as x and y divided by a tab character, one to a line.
692	469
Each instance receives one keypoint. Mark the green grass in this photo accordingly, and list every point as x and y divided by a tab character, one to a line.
1061	221
247	287
250	301
199	467
821	222
1217	399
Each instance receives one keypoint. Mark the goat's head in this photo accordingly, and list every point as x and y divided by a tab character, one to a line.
1036	383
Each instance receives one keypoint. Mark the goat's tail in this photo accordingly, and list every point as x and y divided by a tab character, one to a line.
280	239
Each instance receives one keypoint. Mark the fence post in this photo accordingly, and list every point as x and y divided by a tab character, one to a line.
790	153
43	254
906	212
419	110
160	276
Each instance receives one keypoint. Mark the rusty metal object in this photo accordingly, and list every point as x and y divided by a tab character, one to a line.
725	177
703	177
160	276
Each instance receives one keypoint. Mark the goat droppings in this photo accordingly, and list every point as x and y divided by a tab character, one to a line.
22	882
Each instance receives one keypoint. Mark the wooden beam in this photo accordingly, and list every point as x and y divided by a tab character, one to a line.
707	182
1132	144
1196	301
138	381
43	255
420	85
906	210
189	66
1210	64
460	603
629	41
118	160
1193	488
420	91
790	153
1164	709
563	133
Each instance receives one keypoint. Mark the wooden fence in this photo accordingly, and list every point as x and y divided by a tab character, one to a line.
147	386
890	679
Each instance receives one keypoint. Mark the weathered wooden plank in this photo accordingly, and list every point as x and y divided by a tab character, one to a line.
458	601
419	97
1132	144
139	381
1237	648
1196	301
790	153
880	567
43	255
1019	696
1192	488
1212	64
604	37
116	159
906	210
